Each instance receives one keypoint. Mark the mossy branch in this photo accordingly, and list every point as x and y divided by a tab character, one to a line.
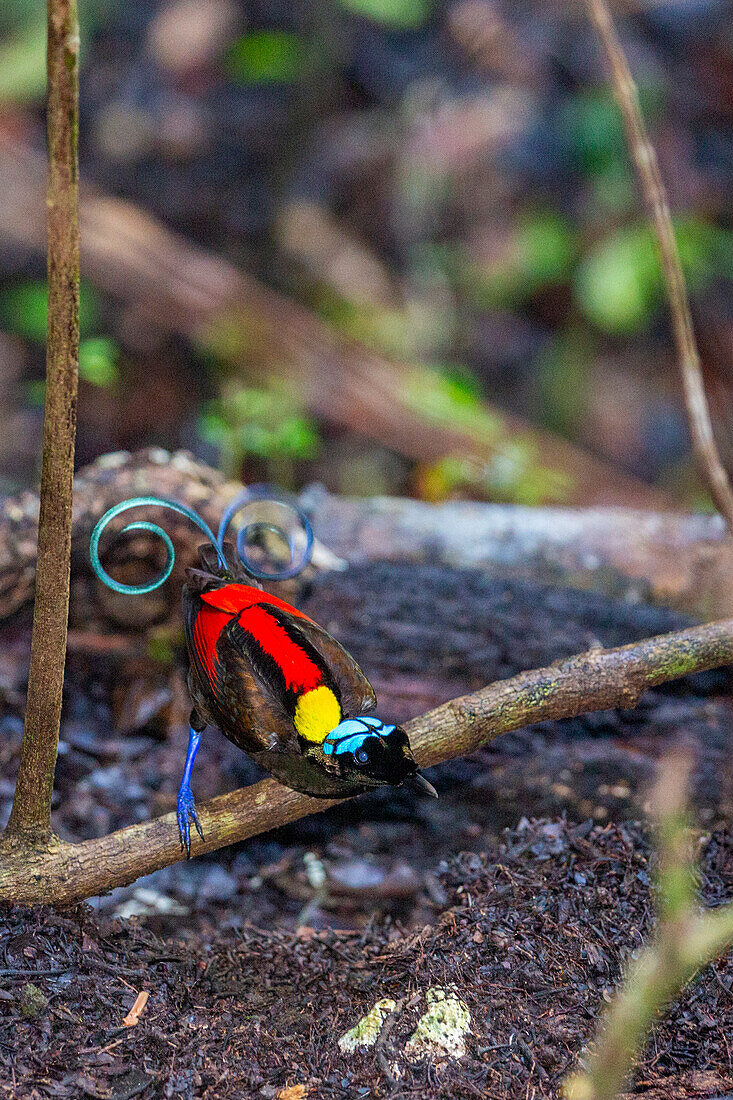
685	940
31	813
590	681
650	179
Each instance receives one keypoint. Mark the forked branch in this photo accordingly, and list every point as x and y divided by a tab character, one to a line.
595	680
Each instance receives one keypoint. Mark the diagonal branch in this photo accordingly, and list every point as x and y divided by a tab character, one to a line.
595	680
647	167
261	336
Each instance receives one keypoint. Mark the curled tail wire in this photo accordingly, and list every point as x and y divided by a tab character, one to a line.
293	527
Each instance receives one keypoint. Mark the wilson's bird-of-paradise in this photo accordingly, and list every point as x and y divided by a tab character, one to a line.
277	684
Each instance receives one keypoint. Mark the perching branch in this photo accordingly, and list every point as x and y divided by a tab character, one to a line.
685	941
647	167
31	814
595	680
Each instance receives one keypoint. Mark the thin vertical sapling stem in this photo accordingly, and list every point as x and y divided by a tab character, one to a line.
650	179
31	813
685	940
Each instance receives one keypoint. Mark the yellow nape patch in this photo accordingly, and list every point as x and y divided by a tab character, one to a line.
316	714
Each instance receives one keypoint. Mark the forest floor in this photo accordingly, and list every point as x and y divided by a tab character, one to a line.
531	939
521	891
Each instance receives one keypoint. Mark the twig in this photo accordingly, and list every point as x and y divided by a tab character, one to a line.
31	813
684	942
595	680
133	1016
647	167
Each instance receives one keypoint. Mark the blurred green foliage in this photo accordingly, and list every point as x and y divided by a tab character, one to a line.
400	14
98	365
266	57
619	284
400	333
593	127
99	361
24	312
23	64
24	309
514	475
23	46
249	422
564	378
594	124
449	396
540	253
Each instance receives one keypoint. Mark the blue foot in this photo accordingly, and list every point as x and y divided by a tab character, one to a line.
186	807
186	813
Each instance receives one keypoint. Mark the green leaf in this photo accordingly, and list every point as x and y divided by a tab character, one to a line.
595	128
24	309
546	245
615	286
594	125
400	14
23	65
35	392
540	253
619	285
98	361
298	438
23	46
250	421
266	57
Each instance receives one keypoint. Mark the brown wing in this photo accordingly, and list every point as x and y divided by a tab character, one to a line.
250	709
238	680
227	687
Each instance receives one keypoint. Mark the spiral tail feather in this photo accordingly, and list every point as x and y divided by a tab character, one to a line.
218	558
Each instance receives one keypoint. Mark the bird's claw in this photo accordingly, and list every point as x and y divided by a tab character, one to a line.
186	813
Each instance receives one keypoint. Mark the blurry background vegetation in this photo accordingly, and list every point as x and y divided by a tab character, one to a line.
444	181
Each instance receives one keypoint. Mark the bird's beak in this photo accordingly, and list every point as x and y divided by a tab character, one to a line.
419	783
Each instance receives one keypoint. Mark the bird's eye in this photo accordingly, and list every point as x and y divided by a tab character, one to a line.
361	756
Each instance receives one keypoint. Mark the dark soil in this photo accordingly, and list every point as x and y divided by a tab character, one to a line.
533	934
384	896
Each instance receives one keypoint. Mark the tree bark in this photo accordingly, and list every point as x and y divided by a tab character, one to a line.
31	813
595	680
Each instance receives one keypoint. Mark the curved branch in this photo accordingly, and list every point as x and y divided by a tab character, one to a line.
595	680
647	168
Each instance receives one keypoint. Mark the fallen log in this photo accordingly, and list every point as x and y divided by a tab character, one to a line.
683	561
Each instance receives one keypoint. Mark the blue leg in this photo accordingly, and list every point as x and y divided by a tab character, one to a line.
186	807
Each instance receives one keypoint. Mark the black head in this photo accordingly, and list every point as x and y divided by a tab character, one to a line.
367	751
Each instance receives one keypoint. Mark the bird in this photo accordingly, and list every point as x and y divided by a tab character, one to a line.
273	681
